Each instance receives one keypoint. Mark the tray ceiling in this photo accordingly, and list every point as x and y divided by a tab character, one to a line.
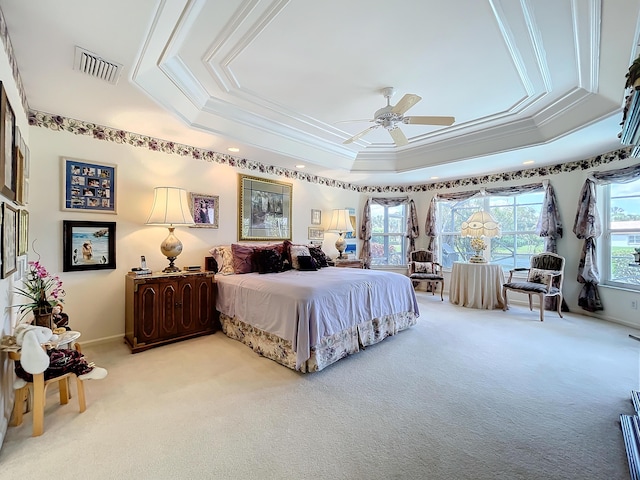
288	81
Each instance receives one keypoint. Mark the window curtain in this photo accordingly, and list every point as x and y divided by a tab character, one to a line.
431	228
550	228
413	230
587	227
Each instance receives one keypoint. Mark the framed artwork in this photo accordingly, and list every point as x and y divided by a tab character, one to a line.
204	209
23	232
19	160
9	239
89	187
264	209
316	233
316	217
88	245
7	157
352	217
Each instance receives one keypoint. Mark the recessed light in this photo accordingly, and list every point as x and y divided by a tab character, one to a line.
233	149
299	166
528	162
434	178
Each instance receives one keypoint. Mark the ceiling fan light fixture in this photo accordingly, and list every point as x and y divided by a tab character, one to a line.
390	116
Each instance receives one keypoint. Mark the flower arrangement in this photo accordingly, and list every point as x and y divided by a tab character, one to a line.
478	244
43	290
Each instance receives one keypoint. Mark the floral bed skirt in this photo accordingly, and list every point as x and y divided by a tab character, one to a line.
329	350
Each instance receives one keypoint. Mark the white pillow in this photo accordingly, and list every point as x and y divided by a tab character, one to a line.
224	257
295	251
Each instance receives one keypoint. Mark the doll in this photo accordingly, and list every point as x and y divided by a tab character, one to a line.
60	319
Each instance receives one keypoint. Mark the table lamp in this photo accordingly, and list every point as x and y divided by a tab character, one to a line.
340	223
480	225
170	207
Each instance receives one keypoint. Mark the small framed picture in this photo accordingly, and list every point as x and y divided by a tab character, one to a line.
9	239
316	217
23	232
316	233
88	245
88	186
204	209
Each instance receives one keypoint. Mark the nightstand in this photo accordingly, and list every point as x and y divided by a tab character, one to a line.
167	307
349	263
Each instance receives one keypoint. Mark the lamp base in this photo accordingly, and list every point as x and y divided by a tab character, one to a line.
171	248
341	244
171	268
477	259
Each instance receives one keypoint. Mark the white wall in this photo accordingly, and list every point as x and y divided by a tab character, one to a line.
95	298
7	315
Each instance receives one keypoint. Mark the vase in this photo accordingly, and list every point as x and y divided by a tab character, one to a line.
636	257
43	318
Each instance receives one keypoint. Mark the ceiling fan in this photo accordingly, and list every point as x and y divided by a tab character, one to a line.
390	116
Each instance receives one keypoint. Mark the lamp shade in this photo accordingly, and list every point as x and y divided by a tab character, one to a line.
340	221
170	207
480	224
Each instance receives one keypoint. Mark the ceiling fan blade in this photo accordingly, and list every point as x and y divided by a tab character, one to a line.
358	135
365	120
398	137
405	103
429	120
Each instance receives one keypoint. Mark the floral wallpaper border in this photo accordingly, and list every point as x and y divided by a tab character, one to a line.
100	132
8	48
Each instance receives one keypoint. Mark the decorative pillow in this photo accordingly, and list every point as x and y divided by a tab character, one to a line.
537	276
224	258
295	251
319	256
422	267
306	263
268	260
242	258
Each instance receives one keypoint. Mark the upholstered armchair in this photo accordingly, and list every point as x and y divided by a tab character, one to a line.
422	268
544	279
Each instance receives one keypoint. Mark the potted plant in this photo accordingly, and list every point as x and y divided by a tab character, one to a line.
43	291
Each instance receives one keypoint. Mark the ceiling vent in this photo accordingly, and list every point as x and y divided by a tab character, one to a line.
97	67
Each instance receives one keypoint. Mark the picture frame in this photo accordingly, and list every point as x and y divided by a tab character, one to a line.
23	232
7	153
264	209
204	209
9	239
316	233
316	217
89	186
88	245
20	180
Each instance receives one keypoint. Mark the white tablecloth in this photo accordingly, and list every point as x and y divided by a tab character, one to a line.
477	285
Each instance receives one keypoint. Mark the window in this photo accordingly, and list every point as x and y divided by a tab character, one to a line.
517	215
388	234
620	234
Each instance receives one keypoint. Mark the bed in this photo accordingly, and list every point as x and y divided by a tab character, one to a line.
307	320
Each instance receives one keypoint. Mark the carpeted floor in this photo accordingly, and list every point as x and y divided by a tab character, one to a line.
465	394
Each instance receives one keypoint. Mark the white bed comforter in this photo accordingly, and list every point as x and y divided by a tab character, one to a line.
302	307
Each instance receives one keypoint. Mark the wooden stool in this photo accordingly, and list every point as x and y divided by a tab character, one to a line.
39	386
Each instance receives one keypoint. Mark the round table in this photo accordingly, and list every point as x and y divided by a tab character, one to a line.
477	285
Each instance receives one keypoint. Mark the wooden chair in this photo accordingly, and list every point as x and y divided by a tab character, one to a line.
544	279
422	268
38	387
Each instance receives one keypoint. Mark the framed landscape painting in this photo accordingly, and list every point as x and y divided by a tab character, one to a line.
264	209
88	186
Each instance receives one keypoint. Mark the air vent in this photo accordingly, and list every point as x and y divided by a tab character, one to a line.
97	67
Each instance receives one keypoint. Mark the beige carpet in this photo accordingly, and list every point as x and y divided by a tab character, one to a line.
465	394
